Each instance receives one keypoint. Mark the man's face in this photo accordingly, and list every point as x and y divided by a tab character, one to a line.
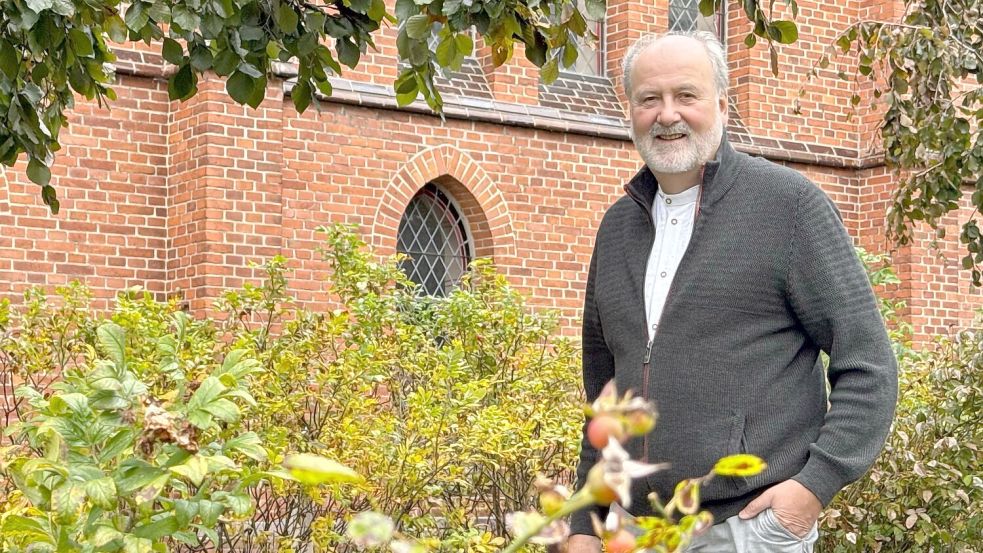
677	116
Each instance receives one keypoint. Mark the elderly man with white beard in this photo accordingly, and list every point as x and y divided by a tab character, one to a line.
715	283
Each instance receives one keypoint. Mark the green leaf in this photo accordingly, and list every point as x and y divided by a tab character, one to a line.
182	84
27	528
314	21
226	61
75	402
550	71
63	7
301	95
501	52
81	43
104	534
38	172
194	469
120	442
596	9
787	30
67	500
406	83
238	364
136	474
240	504
50	197
314	469
101	492
377	10
447	51
209	390
184	18
240	86
209	511
286	19
201	58
465	44
406	9
223	410
348	53
9	60
157	529
577	23
407	98
248	444
570	55
750	40
38	6
137	16
259	92
172	51
185	511
844	43
418	26
116	29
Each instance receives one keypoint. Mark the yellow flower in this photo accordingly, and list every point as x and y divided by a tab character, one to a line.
739	465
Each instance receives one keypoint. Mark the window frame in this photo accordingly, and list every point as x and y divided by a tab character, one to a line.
449	207
599	28
721	20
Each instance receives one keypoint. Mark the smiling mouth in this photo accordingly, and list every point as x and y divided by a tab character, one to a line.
669	137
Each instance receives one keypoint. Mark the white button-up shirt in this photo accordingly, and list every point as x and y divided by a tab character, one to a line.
673	215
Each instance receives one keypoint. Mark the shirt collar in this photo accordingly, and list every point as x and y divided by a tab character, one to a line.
686	197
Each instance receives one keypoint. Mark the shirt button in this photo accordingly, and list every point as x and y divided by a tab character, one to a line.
662	274
668	200
674	221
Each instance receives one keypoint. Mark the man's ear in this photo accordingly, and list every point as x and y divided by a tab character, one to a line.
723	104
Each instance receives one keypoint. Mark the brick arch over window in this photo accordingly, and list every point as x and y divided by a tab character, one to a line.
481	202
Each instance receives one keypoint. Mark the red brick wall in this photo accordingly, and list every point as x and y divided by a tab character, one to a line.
180	197
111	176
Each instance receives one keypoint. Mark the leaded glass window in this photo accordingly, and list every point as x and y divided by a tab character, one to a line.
434	236
684	15
590	53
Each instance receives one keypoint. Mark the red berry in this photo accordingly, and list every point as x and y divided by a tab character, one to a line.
621	542
602	428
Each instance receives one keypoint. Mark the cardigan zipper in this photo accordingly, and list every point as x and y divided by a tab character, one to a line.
647	361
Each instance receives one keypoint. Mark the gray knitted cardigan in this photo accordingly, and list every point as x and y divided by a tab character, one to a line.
769	279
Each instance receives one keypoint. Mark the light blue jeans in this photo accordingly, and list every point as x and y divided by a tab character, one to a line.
761	534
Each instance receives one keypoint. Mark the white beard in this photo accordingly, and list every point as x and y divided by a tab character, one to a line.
682	155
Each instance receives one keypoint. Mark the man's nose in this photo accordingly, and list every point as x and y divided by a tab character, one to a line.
667	114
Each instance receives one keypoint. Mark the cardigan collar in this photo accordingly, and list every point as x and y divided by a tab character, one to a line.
717	178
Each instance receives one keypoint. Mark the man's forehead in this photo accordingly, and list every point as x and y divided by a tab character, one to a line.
675	65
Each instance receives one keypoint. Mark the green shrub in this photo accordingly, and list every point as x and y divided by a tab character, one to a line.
100	462
924	491
448	407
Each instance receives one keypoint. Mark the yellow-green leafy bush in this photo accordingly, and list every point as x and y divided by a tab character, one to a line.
925	490
447	407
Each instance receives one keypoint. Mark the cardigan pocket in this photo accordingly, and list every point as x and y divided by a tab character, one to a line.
693	452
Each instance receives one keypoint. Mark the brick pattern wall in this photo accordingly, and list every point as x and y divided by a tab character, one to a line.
180	197
111	176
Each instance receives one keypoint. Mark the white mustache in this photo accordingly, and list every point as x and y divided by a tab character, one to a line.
678	128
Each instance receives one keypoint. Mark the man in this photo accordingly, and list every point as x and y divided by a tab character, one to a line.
714	284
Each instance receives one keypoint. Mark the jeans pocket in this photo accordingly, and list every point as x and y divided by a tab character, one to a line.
770	519
776	538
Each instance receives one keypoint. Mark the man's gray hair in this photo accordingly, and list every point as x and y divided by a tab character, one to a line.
711	44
